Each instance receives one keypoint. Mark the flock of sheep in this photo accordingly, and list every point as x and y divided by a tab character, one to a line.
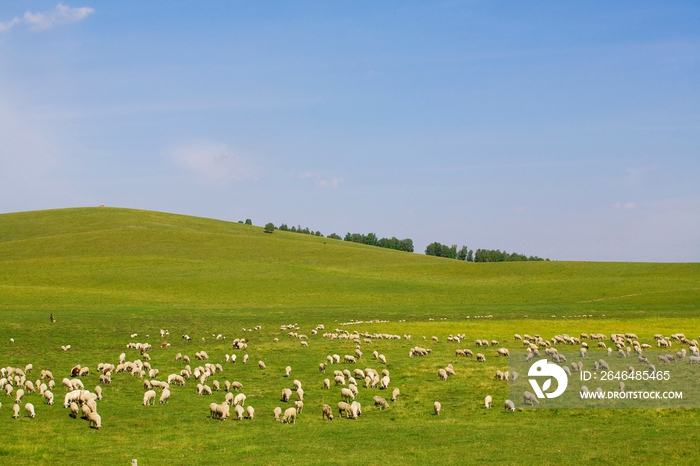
347	378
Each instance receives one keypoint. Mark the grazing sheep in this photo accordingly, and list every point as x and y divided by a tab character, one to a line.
503	352
49	397
480	357
339	380
164	396
509	406
384	383
442	374
8	389
530	398
382	359
296	384
347	394
355	409
343	407
239	412
290	416
18	395
46	375
261	364
250	411
98	392
237	386
487	401
239	399
300	394
437	407
380	402
277	412
299	405
94	420
15	411
73	410
322	367
395	394
327	413
149	397
287	371
286	395
326	384
30	410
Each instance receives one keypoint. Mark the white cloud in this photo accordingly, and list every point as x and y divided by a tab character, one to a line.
332	183
62	14
214	162
625	205
6	26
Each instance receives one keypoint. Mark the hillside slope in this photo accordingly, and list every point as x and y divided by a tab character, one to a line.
109	258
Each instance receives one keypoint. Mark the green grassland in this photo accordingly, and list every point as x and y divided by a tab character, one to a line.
107	273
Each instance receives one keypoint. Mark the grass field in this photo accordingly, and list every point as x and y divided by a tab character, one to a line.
107	273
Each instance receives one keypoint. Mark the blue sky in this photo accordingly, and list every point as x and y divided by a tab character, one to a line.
564	130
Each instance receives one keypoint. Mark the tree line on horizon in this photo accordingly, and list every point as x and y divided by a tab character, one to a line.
481	255
406	244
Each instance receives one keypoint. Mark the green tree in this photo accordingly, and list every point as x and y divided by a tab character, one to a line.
269	227
248	221
462	253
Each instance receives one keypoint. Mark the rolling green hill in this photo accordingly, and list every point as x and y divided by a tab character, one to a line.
113	277
108	258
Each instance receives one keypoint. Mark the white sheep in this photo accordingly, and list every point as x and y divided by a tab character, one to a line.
239	399
380	402
356	409
509	406
299	405
277	412
487	401
343	407
327	413
384	382
530	398
164	396
30	410
18	395
346	394
261	364
49	397
290	416
287	371
442	374
238	409
286	394
94	420
250	411
326	384
149	397
437	407
74	409
15	411
98	392
395	394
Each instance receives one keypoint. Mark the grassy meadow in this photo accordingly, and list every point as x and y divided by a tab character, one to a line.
107	273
